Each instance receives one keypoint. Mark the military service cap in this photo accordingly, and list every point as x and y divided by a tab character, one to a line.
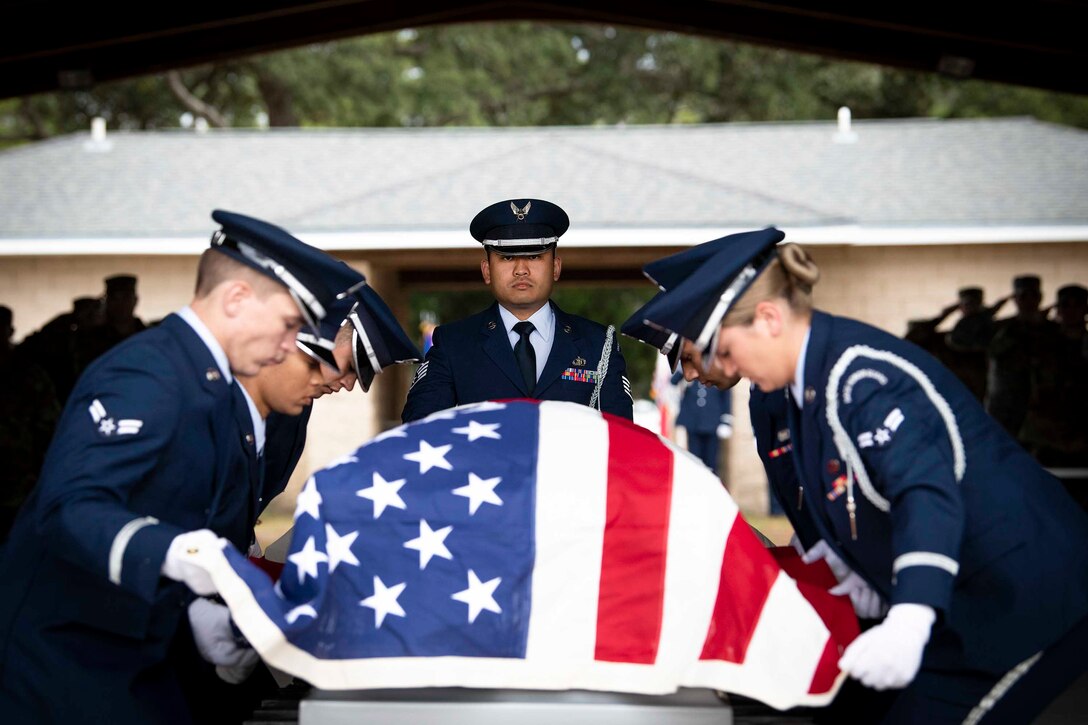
1026	283
519	227
1073	294
696	305
671	272
306	272
970	293
668	272
668	343
378	340
120	283
319	344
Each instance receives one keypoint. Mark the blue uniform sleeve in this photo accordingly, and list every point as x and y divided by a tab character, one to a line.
109	442
907	440
432	389
616	390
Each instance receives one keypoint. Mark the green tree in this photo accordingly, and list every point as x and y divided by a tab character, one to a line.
521	73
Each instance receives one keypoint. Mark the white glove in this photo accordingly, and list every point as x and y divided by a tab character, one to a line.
795	542
240	673
821	550
180	566
215	638
724	431
889	655
868	604
866	600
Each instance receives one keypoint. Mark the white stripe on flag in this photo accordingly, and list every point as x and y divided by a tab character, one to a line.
571	465
782	656
776	665
700	519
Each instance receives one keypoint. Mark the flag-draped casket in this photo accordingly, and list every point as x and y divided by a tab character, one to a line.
536	545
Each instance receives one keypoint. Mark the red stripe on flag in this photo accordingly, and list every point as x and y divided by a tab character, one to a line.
827	670
632	591
748	572
813	581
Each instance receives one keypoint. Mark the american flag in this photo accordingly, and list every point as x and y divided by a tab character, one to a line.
537	545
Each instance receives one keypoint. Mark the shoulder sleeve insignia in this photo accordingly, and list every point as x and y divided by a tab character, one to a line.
107	426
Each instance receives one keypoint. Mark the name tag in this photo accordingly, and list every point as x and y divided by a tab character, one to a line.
580	375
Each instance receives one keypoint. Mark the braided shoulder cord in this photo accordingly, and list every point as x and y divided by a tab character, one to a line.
602	367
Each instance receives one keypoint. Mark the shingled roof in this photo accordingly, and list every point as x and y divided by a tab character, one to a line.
927	179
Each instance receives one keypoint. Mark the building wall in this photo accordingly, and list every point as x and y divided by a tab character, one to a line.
884	286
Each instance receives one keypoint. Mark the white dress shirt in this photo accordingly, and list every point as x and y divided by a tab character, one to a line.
540	338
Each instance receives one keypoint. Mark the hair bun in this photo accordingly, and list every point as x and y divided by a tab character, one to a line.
799	266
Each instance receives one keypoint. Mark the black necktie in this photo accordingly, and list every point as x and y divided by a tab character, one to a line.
525	354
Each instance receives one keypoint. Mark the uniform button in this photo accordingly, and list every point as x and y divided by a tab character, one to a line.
810	394
249	438
701	402
258	520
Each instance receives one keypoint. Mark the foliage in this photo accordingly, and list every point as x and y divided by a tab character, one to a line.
517	74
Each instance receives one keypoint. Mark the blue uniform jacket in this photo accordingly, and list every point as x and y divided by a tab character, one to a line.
951	512
150	445
472	360
285	437
703	408
770	424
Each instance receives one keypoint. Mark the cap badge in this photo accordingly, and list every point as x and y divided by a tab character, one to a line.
579	362
520	213
212	375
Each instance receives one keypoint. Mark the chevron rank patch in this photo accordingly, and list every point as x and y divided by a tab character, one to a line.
107	426
882	435
420	374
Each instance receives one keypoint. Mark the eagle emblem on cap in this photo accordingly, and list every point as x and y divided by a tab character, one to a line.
520	213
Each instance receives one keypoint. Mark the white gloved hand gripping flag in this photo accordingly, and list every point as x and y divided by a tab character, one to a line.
538	545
